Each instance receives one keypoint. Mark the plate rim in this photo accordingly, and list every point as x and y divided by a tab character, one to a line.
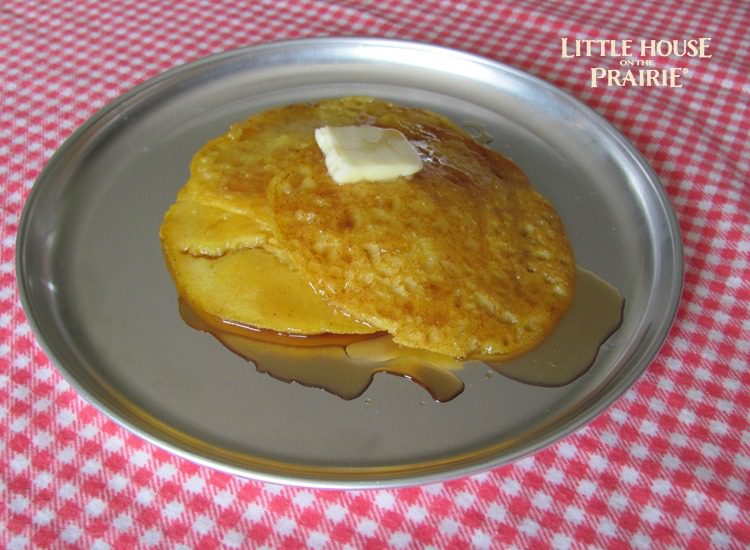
603	401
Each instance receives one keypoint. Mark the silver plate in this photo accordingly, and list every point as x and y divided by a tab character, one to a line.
98	296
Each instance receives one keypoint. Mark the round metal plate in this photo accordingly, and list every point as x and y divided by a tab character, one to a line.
97	293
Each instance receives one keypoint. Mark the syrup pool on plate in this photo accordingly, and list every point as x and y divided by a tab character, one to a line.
345	365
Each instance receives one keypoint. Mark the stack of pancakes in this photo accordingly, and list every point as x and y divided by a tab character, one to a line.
463	258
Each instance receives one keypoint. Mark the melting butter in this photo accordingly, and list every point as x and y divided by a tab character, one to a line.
366	153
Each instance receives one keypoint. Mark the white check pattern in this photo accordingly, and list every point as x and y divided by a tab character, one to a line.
668	466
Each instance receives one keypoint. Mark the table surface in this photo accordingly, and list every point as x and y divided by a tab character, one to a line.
668	465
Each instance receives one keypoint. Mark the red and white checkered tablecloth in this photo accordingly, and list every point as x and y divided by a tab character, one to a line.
668	466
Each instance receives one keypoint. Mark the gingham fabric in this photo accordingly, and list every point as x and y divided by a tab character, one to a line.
667	466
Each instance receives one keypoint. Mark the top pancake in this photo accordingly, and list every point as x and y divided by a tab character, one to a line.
464	258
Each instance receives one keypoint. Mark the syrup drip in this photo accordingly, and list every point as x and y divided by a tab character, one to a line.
345	365
571	348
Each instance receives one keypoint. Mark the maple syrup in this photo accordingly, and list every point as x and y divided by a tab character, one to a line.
345	365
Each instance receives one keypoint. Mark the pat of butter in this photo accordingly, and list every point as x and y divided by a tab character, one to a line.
366	153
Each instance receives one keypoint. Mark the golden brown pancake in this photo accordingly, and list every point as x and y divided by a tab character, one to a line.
464	258
203	230
228	288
